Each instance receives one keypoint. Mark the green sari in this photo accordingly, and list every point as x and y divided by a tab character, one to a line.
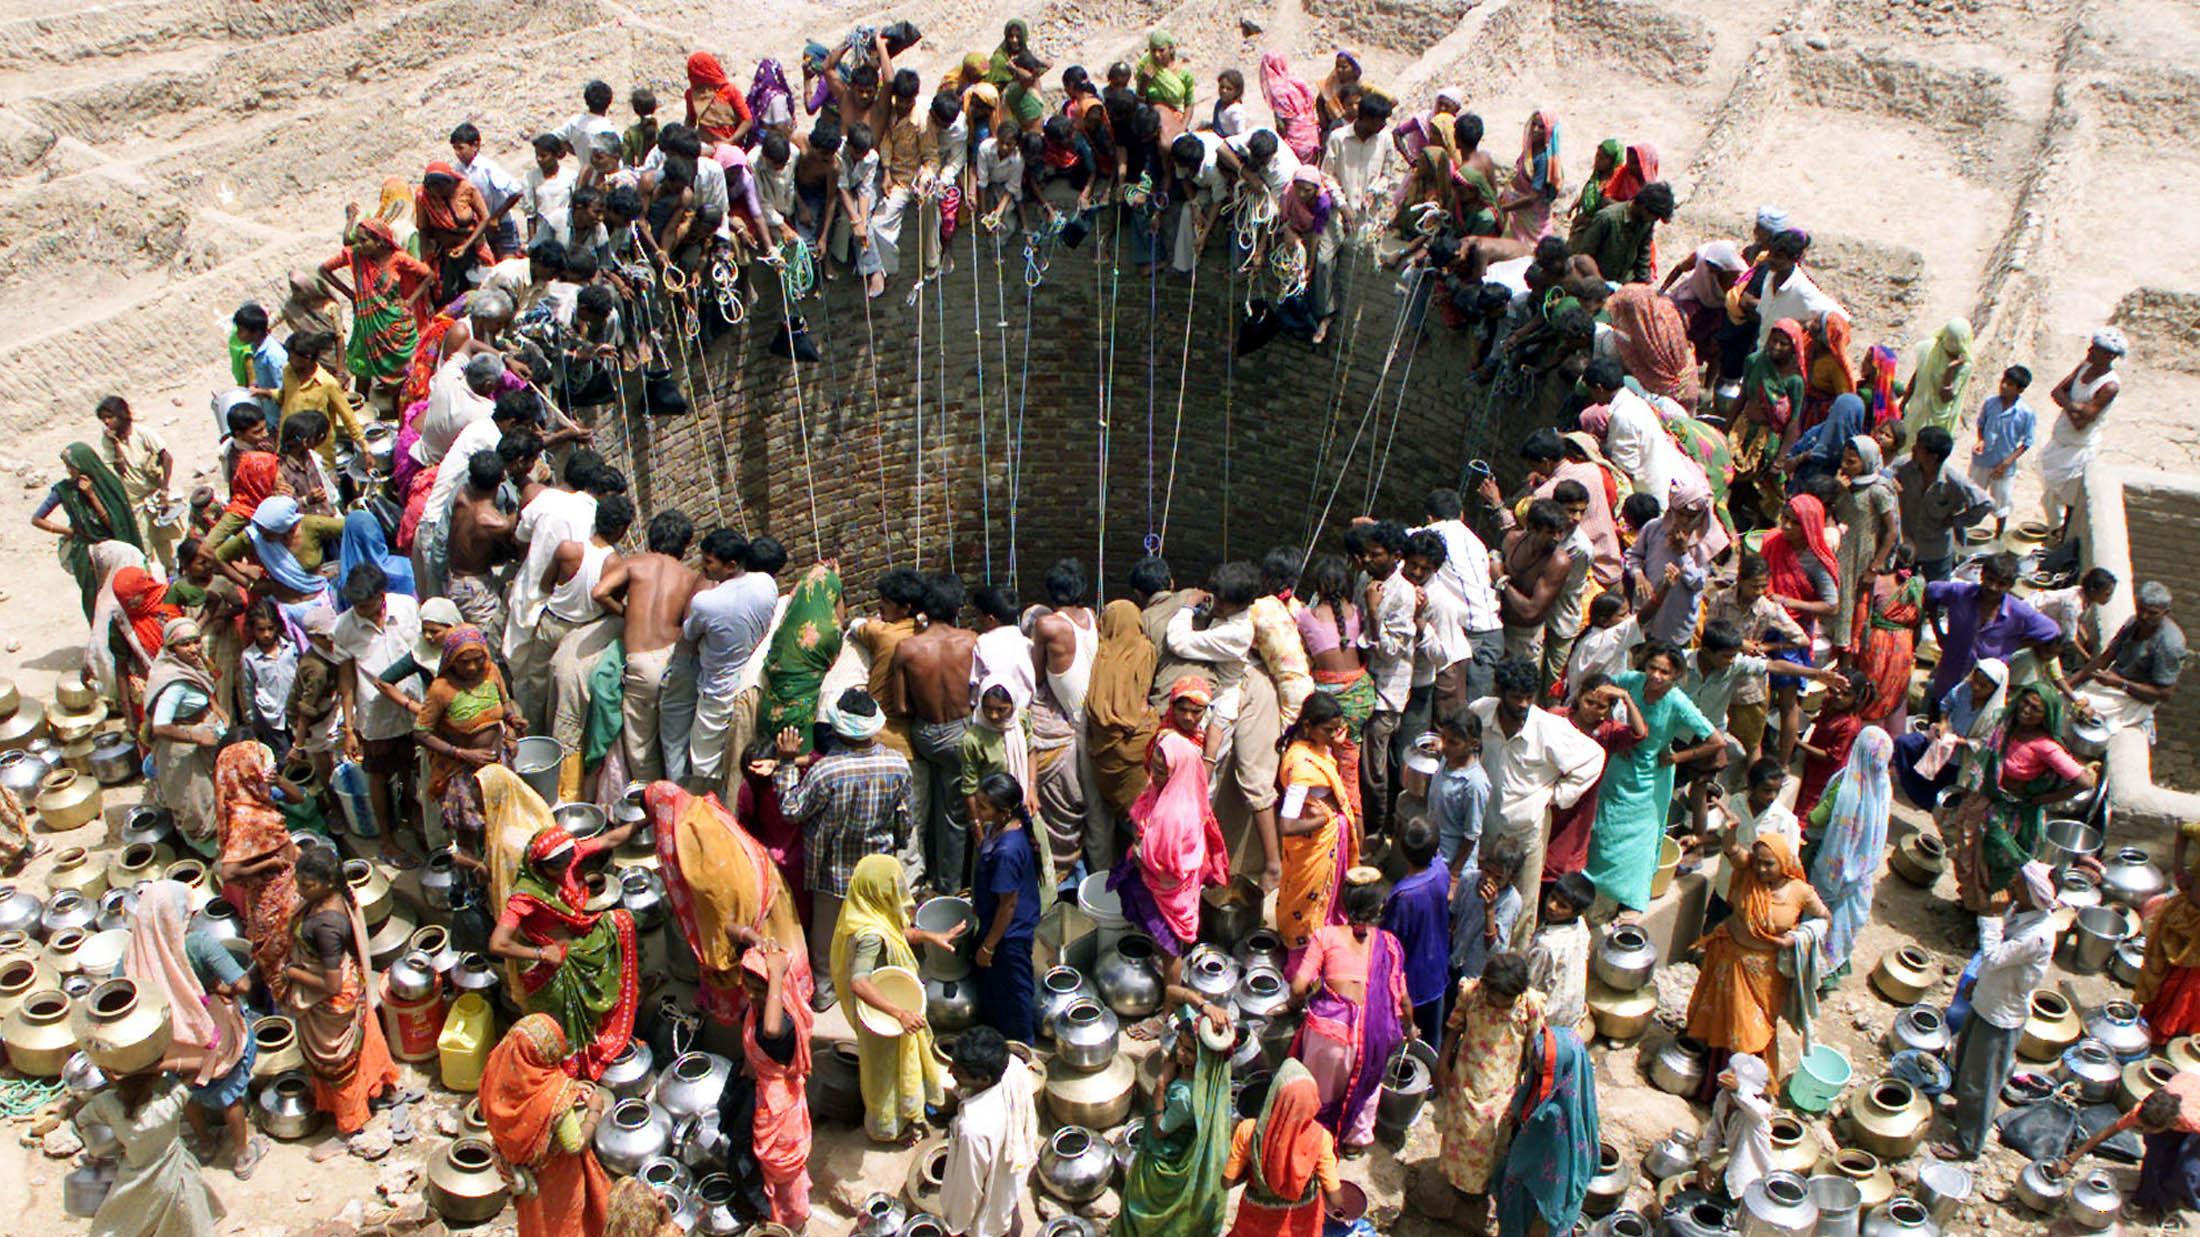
802	650
1025	105
593	991
1175	1180
102	515
2007	817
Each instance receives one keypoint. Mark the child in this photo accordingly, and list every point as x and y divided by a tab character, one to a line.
1558	956
549	191
1484	908
641	137
1229	119
1768	632
1460	792
1716	672
265	671
1636	513
1419	915
1757	813
313	711
1826	748
1006	899
1599	712
2006	426
1603	646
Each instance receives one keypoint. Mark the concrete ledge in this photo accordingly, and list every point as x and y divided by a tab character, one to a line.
2133	796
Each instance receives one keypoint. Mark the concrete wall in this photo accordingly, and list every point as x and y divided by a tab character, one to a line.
1259	434
2162	512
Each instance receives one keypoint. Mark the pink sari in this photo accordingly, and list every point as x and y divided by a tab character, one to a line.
1180	846
1292	100
1347	1046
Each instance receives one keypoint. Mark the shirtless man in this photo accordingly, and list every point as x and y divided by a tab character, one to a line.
932	677
481	538
651	591
1064	641
1537	563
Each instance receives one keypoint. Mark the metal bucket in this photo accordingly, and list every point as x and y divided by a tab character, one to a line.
537	760
2064	842
1229	913
2093	939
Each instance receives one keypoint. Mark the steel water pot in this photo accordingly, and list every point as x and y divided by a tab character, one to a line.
1900	1216
1920	1027
2089	1066
1670	1156
283	1106
692	1084
1086	1035
2091	944
1059	988
1625	959
1262	947
1677	1066
1609	1184
21	911
1840	1205
1778	1204
2121	1029
1212	973
632	1132
1075	1165
2093	1200
1128	976
2129	877
463	1184
950	1005
1263	993
628	1075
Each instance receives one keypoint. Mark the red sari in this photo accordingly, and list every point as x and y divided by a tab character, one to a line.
1834	734
593	988
1568	849
526	1095
249	827
1890	649
781	1133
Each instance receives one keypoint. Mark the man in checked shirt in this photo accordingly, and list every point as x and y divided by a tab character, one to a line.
852	800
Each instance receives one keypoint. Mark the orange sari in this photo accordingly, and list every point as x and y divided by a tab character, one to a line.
1314	863
248	827
534	1109
782	1128
1739	990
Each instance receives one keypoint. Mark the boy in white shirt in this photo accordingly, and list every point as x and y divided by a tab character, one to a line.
1757	813
1604	645
549	194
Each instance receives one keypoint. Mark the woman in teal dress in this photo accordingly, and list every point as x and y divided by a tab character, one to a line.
1638	783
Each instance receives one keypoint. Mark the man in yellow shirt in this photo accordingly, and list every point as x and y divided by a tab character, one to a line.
310	387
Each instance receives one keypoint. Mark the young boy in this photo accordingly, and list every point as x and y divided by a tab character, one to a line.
549	195
1460	792
2006	426
640	137
1767	631
1558	956
265	672
1484	908
1603	646
1756	813
994	1137
1419	915
314	713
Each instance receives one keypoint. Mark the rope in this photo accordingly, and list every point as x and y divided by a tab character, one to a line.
1397	413
878	427
1374	401
985	472
1176	434
917	532
790	280
20	1097
1000	303
1023	392
1153	316
1106	402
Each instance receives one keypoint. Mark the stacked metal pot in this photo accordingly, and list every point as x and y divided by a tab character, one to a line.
1621	998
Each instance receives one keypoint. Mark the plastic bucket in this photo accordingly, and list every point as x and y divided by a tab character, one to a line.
349	784
414	1028
1821	1075
1100	905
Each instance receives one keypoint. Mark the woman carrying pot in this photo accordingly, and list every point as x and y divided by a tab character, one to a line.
543	1121
331	990
203	983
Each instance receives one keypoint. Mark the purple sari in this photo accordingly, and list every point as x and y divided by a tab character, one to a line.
1347	1047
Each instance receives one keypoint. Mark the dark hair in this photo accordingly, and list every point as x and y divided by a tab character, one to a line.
944	596
485	470
262	611
1328	577
1657	200
861	139
1467	128
945	108
1767	770
825	136
551	144
1641	508
1604	372
520	446
1231	77
1544	446
579	464
1752	567
1545	515
1417	839
465	134
1364	903
596	95
625	201
1261	146
1235	583
580	265
519	405
680	139
614	515
1005	794
1569	491
243	415
304	427
1515	675
1057	129
1320	709
903	586
1669	651
775	146
669	533
1151	575
2003	566
249	317
320	866
643	100
366	583
1791	244
1605	605
1387	535
1460	723
1505	974
1576	888
1504	854
996	604
1427	545
1375	104
1187	150
863	75
981	1055
2097	578
595	300
1065	583
1592	681
2161	1107
727	546
1936	442
1721	636
766	555
2017	374
1553	254
1441	503
858	702
1279	570
906	83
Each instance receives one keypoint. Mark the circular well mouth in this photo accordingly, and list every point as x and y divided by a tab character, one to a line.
1071	1143
470	1157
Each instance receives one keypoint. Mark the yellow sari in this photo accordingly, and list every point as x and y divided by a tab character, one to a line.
900	1074
1314	863
515	814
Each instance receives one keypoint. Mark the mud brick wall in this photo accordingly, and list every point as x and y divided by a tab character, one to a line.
2161	516
1252	430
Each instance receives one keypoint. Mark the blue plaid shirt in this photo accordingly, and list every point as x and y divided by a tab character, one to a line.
2003	430
850	804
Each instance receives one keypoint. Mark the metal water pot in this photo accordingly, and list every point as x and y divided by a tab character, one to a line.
628	1074
1943	1187
2094	936
1075	1165
1404	1093
2089	1065
2121	1029
2129	877
1677	1067
1086	1035
86	1187
950	1005
1211	973
1670	1156
881	1215
117	905
692	1084
464	1186
1889	1118
1610	1183
642	893
1840	1205
439	882
411	978
21	910
1262	947
941	915
2064	842
1778	1205
1625	959
1059	988
1128	976
284	1107
21	772
1919	1027
714	1205
1900	1216
66	910
2040	1189
2093	1200
148	825
632	1132
1263	993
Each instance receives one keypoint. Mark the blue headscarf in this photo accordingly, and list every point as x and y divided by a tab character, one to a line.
364	542
1554	1149
1845	420
1855	841
272	522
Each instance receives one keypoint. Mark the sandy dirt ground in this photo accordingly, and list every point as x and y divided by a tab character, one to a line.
163	160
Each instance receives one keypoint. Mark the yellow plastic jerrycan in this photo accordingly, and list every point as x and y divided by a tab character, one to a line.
463	1047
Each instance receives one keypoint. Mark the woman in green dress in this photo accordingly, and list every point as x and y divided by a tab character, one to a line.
803	649
98	510
1637	791
1175	1180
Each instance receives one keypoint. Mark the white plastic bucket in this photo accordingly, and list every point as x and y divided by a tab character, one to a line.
1100	905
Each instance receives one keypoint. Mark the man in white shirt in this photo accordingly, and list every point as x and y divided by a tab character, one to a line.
1789	291
1443	650
499	188
580	132
1465	574
1356	156
726	622
1260	160
1000	182
2077	609
945	150
526	279
1243	721
994	1138
1389	634
560	513
370	637
1635	440
1535	760
2014	951
549	190
487	314
1205	186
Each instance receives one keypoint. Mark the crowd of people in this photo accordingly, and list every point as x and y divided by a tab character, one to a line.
1447	740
